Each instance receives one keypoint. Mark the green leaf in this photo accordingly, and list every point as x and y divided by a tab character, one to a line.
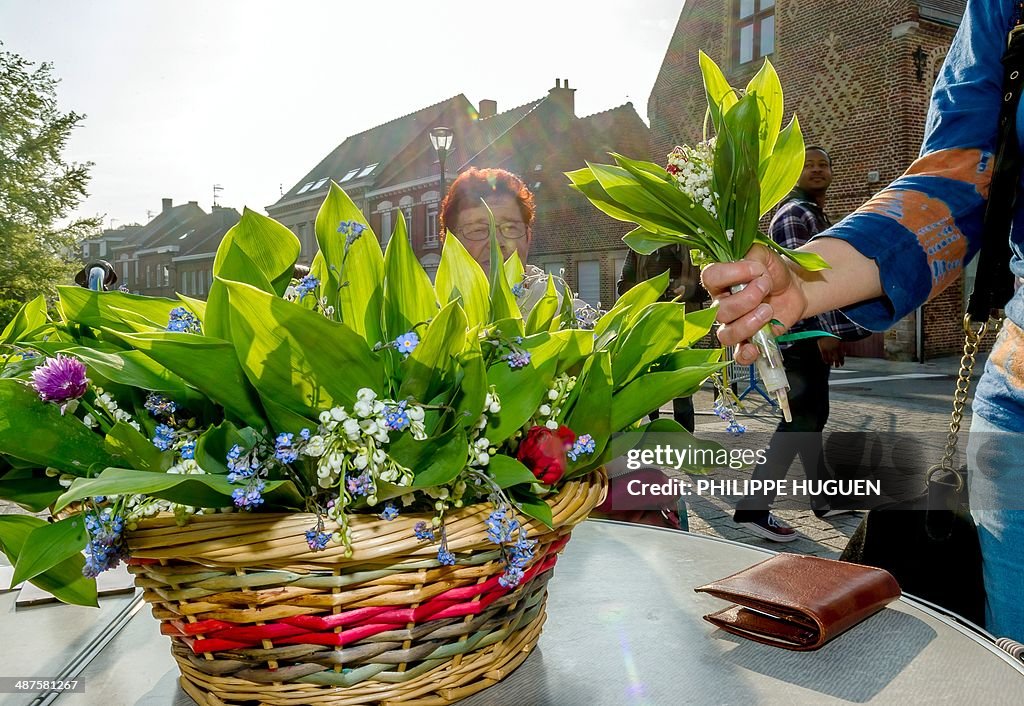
532	506
698	324
544	311
65	580
269	246
29	318
196	306
33	494
35	431
502	301
586	182
592	411
296	357
460	277
408	294
208	364
521	390
133	368
99	309
721	96
213	446
768	89
360	273
514	268
636	299
430	368
434	461
780	171
507	472
198	490
810	261
233	265
125	441
653	390
48	546
472	389
645	242
653	334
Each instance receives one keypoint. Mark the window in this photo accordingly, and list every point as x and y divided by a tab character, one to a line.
166	279
85	251
588	278
350	175
103	248
306	187
431	239
755	30
385	228
149	276
184	283
553	268
319	183
366	170
136	277
408	221
124	272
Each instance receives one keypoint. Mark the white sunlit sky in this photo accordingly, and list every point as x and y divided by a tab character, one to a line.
184	94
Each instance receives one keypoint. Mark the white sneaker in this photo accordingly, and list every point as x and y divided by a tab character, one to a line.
771	528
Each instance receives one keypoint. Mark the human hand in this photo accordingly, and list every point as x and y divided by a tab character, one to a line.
773	292
832	351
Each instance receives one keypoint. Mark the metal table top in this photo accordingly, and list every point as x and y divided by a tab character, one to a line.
624	627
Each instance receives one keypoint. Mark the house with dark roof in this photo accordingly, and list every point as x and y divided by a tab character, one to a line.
393	167
858	75
173	252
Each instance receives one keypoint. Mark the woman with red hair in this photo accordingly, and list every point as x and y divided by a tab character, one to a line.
464	214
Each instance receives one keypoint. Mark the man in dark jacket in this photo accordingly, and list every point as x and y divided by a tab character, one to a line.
684	282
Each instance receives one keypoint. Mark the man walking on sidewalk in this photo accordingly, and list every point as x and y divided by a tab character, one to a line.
808	361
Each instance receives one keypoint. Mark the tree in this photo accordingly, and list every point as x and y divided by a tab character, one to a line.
39	189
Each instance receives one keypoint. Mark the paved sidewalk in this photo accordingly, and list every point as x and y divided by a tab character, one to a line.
866	395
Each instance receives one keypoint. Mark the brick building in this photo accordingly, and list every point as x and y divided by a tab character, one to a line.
171	253
858	73
393	167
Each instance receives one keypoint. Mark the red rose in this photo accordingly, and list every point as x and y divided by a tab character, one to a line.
543	452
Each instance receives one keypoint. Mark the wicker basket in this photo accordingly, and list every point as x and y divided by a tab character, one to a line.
255	617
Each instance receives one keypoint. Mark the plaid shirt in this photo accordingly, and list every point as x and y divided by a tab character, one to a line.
797	221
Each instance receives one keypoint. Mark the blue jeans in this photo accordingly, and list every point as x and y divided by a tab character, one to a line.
996	478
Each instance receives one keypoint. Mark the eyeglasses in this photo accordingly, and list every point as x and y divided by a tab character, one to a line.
509	231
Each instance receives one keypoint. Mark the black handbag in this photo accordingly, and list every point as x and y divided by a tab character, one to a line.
930	543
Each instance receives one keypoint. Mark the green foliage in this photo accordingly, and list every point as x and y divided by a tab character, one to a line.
755	164
39	189
333	363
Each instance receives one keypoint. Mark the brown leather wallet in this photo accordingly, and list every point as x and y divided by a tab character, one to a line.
799	602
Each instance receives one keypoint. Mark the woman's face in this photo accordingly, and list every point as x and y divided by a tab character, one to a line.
470	226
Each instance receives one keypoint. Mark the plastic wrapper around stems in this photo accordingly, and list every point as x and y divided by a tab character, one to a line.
770	366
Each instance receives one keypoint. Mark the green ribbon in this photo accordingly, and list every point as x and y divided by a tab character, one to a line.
790	337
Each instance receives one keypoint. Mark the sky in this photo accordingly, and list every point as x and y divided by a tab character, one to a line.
249	94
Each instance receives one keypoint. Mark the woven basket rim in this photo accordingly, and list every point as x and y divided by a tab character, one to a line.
237	539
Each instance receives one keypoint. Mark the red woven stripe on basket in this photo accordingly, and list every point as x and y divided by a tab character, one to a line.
249	636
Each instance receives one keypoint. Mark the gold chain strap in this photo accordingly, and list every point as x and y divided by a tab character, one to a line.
972	339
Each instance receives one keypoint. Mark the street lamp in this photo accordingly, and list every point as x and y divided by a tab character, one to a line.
441	138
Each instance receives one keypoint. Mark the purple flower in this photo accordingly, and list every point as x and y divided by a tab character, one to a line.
60	379
317	540
307	285
163	437
423	531
518	359
390	512
107	546
396	418
159	406
501	526
359	485
511	578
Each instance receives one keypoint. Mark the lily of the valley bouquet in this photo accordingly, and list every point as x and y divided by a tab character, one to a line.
361	388
712	195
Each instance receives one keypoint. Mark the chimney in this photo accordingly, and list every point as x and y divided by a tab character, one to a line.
166	205
488	108
193	203
562	97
